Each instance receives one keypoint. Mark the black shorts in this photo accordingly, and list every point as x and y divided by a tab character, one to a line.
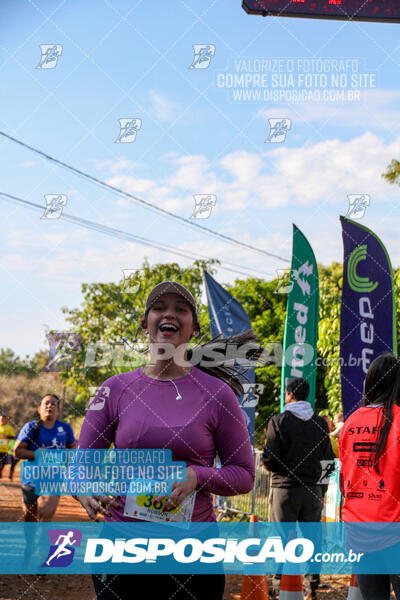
162	587
28	495
3	459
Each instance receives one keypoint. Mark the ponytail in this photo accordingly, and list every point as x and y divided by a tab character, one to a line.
233	369
382	386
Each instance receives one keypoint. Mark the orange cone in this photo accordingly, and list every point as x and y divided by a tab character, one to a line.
253	519
354	590
291	587
254	587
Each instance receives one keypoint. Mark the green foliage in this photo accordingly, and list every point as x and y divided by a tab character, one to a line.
396	278
20	395
10	364
330	281
392	174
266	310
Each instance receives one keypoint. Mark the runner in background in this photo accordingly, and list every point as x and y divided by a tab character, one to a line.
191	410
338	422
12	461
334	440
47	432
6	435
369	451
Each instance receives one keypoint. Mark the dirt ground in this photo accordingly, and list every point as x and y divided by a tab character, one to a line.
76	587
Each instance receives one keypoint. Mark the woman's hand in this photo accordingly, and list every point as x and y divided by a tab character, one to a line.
180	490
98	504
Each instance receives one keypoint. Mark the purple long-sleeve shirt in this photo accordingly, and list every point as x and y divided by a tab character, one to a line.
132	410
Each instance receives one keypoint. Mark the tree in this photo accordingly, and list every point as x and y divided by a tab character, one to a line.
10	364
266	310
392	174
328	346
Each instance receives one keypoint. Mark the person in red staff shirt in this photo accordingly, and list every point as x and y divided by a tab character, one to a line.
369	451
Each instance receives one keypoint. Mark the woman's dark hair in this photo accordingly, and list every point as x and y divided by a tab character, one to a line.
51	396
38	422
232	365
382	386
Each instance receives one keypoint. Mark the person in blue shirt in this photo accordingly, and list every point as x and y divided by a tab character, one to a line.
47	432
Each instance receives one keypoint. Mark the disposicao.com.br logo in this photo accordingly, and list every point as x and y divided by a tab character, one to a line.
259	548
192	550
62	547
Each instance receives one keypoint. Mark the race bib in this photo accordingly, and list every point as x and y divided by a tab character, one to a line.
145	507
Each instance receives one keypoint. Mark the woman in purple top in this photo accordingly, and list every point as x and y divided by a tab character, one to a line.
170	404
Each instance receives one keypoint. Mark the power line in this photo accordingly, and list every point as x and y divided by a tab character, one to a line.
118	233
148	205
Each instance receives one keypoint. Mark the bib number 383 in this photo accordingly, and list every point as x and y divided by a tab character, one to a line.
148	509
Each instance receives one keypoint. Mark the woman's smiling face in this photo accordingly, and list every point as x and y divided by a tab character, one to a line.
170	320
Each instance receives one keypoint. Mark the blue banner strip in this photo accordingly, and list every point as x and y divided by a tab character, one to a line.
368	315
228	317
247	548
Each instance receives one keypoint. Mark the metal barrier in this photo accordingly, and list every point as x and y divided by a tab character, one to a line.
255	502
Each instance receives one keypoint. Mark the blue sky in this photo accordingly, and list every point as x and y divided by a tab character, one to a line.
126	59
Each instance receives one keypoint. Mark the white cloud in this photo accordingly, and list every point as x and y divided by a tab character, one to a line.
324	172
163	108
379	108
87	261
328	170
17	238
255	193
115	166
245	166
133	184
193	173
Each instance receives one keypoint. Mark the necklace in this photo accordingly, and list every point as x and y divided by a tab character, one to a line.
186	372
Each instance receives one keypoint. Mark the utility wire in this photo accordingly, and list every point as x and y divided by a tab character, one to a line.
149	205
118	233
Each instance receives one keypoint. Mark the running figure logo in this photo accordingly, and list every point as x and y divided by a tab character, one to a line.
54	206
61	552
64	345
278	129
98	397
50	54
131	285
251	394
327	468
357	205
286	279
128	130
203	205
203	54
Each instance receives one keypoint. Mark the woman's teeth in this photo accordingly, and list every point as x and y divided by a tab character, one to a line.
171	328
